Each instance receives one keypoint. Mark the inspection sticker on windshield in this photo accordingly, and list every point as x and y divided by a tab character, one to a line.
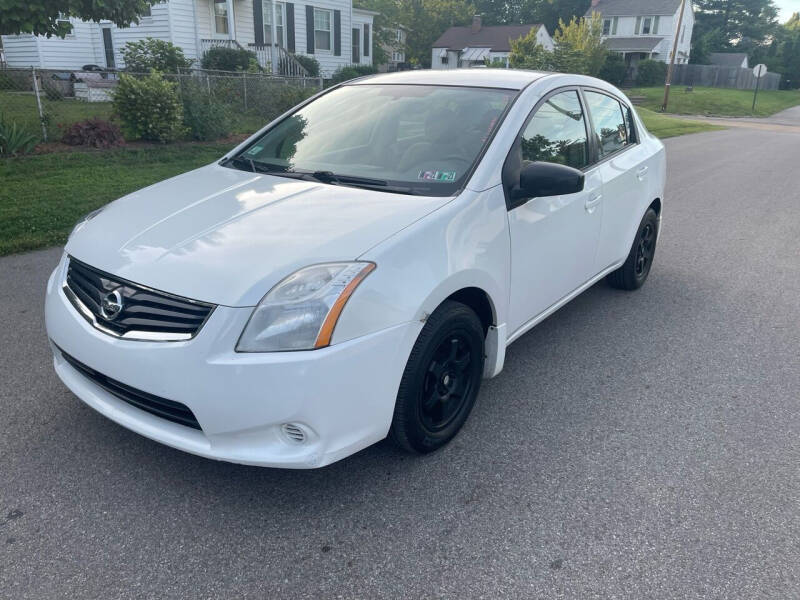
255	150
437	175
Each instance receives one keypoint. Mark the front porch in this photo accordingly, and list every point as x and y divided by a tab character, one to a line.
241	24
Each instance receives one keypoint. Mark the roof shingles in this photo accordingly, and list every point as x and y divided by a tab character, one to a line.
496	37
635	8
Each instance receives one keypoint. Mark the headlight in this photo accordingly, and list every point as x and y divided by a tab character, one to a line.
85	219
301	311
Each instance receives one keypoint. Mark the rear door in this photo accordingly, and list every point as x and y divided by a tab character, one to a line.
553	239
622	166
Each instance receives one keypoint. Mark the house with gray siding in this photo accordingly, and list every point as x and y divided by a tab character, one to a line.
332	31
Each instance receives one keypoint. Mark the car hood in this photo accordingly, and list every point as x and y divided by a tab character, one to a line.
225	236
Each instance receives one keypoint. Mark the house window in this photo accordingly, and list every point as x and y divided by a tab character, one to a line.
220	13
280	21
322	29
444	60
647	24
606	26
63	21
399	57
147	12
398	36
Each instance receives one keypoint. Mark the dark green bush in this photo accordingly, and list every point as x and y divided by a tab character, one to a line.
650	72
220	58
309	63
614	69
345	73
149	108
270	99
204	116
151	54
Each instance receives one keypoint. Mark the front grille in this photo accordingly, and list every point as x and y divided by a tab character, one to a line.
161	407
144	313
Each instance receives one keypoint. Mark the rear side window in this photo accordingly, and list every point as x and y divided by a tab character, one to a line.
610	126
557	132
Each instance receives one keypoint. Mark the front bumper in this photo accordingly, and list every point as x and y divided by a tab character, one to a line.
342	396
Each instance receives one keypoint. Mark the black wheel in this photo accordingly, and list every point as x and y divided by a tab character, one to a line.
633	273
441	379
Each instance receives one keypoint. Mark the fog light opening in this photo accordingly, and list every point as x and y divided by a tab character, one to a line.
293	433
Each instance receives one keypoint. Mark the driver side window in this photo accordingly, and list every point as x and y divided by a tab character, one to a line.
557	132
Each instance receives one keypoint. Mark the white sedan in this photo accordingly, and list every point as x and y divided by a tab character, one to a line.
355	268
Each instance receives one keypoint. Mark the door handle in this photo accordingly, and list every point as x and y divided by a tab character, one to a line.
591	203
640	173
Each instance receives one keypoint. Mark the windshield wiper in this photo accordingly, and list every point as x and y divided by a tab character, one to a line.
331	177
262	167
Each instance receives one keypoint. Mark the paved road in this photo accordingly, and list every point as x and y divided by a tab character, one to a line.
641	445
785	121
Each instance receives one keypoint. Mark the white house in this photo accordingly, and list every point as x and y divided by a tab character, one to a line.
640	29
395	49
332	31
464	47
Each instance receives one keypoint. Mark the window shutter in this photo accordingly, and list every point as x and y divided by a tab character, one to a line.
655	25
614	25
309	29
289	26
337	33
638	25
258	22
366	39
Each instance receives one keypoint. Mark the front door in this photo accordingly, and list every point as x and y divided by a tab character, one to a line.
553	239
356	41
108	46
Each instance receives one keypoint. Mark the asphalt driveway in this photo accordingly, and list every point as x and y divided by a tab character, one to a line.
637	445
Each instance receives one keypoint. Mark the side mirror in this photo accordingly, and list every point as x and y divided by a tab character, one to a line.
548	179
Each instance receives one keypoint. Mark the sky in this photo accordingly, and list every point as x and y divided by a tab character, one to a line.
787	7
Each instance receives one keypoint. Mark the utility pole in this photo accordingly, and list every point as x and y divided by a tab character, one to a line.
672	58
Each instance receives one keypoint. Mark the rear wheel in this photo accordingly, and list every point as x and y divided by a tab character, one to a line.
441	379
634	271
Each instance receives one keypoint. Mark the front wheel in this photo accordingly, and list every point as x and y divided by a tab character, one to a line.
634	271
441	379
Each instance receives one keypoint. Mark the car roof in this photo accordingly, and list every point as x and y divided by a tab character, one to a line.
511	79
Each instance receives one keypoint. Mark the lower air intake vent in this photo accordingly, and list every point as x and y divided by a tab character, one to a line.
161	407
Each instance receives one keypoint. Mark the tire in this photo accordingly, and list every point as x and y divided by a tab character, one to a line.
634	271
441	380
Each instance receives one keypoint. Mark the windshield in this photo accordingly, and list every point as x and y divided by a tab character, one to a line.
405	138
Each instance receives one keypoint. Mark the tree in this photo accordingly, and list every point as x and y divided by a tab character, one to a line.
151	54
41	17
580	45
579	48
741	24
427	20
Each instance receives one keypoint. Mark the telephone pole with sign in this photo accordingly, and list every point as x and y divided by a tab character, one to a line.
759	71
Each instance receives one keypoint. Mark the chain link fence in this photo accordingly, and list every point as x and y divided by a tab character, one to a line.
46	102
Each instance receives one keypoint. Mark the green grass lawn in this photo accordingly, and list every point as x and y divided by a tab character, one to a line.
42	197
717	101
665	126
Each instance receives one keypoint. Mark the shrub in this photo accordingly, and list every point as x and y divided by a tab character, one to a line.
149	107
650	72
344	73
614	69
275	99
151	54
220	58
204	116
93	132
15	139
309	63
